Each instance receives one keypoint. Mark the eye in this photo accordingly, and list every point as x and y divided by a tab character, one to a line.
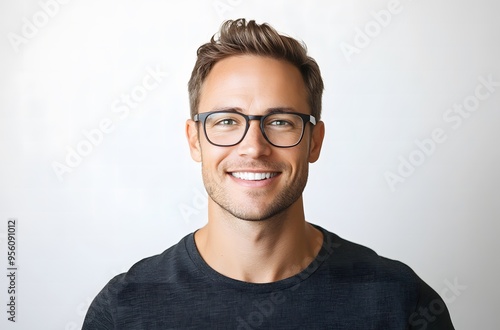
279	122
226	122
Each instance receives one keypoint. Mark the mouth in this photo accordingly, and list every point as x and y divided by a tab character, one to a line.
254	176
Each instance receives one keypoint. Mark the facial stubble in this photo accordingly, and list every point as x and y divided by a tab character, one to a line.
280	203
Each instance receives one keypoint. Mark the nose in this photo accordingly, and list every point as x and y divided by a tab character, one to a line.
254	144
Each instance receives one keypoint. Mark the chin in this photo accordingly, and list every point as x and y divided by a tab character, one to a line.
254	215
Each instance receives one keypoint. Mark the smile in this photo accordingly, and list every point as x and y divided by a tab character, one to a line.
253	176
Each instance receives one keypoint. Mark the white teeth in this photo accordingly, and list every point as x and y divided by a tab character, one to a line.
252	176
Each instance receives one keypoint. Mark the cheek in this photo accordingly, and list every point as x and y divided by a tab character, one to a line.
296	160
212	156
302	160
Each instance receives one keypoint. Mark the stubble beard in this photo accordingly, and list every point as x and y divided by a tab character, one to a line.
290	193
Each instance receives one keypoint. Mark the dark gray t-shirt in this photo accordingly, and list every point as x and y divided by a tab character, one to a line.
347	286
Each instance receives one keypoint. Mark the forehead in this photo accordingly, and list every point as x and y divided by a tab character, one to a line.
253	83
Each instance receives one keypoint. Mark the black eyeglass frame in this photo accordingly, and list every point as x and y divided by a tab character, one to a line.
201	117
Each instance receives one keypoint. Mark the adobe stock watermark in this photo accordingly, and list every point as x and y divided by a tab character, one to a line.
363	37
199	202
82	308
12	269
426	147
31	27
425	315
94	137
265	308
224	6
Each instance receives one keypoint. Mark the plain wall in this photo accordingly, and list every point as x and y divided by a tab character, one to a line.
394	83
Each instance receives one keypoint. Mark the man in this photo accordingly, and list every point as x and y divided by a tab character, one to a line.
255	126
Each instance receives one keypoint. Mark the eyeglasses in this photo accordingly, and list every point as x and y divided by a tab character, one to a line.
228	128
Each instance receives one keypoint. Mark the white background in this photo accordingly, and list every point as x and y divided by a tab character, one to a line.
137	191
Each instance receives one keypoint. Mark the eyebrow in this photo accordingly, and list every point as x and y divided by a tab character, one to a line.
281	110
268	110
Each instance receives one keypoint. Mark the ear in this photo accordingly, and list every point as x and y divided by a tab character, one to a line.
193	140
317	137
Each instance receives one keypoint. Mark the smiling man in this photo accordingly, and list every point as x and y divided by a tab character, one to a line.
255	98
257	139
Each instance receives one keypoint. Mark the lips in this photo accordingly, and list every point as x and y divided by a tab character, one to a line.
254	176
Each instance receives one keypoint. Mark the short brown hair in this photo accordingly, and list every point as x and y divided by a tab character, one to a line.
239	37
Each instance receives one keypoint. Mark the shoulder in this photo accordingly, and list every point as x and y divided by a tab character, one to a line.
355	261
161	268
363	271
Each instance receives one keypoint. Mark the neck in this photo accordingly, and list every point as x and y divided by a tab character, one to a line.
258	251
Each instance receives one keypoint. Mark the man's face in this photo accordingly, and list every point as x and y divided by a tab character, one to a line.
253	85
